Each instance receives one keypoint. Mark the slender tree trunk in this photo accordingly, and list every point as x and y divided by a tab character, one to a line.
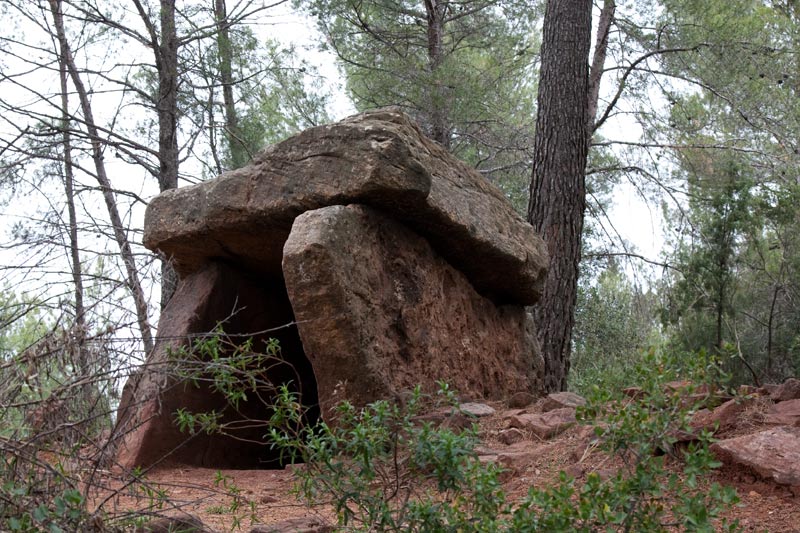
558	186
102	178
440	126
79	326
599	60
167	62
236	147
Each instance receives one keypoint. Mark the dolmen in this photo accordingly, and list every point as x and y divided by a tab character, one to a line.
376	259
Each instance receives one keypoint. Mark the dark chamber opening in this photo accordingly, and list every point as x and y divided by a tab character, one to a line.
248	306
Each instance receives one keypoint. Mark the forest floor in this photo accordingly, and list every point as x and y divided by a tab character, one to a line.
266	496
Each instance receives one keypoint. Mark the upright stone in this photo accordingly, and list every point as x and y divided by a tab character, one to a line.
379	311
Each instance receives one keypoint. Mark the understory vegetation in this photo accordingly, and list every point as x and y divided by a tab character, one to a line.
687	109
386	466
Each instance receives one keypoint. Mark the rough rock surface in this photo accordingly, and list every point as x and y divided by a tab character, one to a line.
772	453
380	159
379	311
784	413
723	417
559	400
476	409
788	390
145	423
384	262
544	425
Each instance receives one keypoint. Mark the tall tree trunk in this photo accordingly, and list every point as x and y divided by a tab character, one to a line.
134	285
440	126
558	186
167	63
236	147
79	326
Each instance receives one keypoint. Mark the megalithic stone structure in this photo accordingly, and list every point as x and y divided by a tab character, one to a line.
377	259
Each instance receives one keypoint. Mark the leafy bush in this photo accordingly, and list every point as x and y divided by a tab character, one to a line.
644	495
384	469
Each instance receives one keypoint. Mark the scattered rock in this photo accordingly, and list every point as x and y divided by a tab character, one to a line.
518	400
295	525
772	453
477	410
678	386
788	390
545	425
586	439
559	400
173	524
510	436
767	388
784	413
446	418
726	415
518	457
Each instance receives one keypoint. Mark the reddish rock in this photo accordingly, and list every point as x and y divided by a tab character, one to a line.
575	471
545	425
146	431
446	418
517	457
784	413
586	440
773	453
381	159
727	415
559	400
478	410
379	311
788	390
510	436
521	399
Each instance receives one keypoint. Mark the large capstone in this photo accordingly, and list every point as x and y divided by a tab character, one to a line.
377	260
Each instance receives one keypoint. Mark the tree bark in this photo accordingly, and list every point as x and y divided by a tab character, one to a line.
558	186
167	63
236	147
102	178
440	127
79	326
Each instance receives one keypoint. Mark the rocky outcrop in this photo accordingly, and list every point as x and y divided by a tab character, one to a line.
378	260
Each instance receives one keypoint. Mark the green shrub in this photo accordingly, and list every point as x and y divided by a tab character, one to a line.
383	467
644	495
384	470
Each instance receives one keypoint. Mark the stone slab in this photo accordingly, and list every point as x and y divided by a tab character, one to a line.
379	311
380	159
